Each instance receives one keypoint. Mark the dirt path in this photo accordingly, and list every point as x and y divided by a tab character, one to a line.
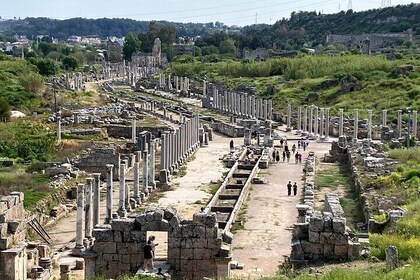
270	215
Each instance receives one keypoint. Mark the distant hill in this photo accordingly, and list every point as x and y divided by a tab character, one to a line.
103	27
301	28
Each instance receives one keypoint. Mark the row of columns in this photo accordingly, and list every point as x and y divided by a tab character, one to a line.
181	83
88	212
242	104
315	121
177	146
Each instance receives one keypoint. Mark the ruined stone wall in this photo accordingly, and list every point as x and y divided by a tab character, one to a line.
118	131
12	231
230	130
195	248
321	235
97	159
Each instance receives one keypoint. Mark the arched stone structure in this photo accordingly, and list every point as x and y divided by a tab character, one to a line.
195	248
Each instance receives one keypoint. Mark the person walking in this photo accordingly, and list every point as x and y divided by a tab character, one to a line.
273	155
304	146
148	256
152	239
300	158
284	155
277	156
293	148
299	145
231	145
297	157
288	156
294	189
289	188
281	143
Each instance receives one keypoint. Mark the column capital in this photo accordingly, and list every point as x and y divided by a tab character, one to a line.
109	167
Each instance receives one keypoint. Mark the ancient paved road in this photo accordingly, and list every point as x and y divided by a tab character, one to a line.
270	214
191	191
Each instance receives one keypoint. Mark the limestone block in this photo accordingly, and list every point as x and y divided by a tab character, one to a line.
111	257
173	254
125	259
340	251
187	254
224	251
188	231
305	246
174	242
211	233
187	243
339	225
297	252
158	215
122	248
328	224
187	265
135	248
134	236
339	239
168	213
199	243
316	223
314	236
118	236
141	219
103	235
199	231
3	230
208	220
329	251
325	237
105	247
354	250
174	222
149	217
214	243
125	224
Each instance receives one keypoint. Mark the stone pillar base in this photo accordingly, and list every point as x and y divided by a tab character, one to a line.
78	251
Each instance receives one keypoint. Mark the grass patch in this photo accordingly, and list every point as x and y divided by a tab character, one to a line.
332	176
408	246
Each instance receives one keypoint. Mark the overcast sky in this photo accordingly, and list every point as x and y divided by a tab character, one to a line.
233	12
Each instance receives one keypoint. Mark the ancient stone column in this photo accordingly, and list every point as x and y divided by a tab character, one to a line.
270	109
316	121
96	198
321	124
109	196
327	123
341	124
145	172
299	120
88	209
133	129
289	117
399	123
152	148
253	113
204	88
384	118
310	119
163	152
58	127
80	220
136	182
265	109
415	124
305	119
257	108
369	136
356	124
127	198
121	199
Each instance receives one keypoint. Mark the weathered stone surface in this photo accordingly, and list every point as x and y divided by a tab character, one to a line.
341	251
316	224
224	251
103	235
391	257
314	236
105	247
125	224
339	225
